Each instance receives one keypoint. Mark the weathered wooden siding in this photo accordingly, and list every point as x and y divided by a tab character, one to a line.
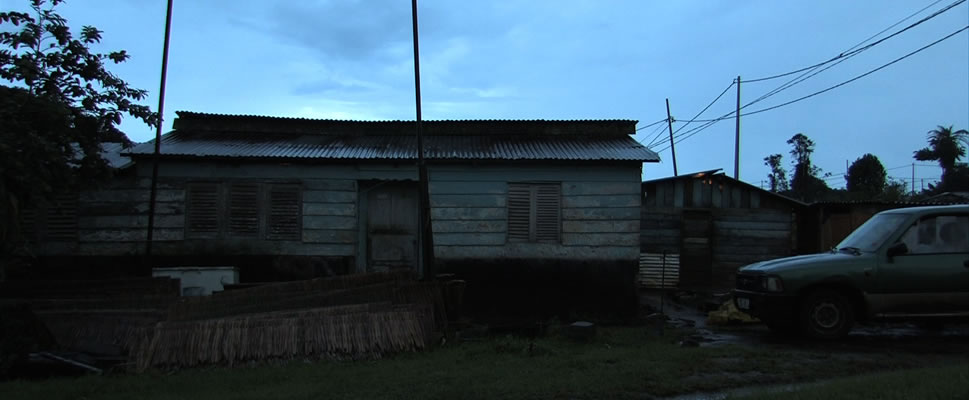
600	208
748	225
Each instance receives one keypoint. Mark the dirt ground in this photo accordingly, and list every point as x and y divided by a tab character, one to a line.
865	337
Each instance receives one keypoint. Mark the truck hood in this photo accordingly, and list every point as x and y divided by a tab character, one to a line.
799	262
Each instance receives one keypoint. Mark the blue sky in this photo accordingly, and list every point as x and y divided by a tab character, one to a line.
565	59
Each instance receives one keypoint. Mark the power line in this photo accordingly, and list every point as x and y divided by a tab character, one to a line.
694	119
708	106
851	52
709	122
862	75
655	134
726	116
652	124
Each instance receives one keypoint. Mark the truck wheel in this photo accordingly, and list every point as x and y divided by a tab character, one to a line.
826	314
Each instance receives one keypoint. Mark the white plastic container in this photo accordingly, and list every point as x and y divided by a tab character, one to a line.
199	281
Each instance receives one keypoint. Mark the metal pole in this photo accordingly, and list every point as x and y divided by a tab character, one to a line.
158	132
736	146
662	297
425	238
913	179
669	122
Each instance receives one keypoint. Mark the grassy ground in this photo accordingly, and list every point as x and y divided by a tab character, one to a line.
949	382
620	363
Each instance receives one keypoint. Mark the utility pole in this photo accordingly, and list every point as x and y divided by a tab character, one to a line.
913	179
153	195
425	239
736	146
669	122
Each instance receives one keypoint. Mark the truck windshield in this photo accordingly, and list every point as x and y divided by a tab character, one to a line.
870	235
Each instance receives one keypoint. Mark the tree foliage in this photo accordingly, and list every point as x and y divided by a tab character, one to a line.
947	147
866	176
805	183
777	176
59	104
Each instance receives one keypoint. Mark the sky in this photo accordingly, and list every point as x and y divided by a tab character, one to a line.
564	59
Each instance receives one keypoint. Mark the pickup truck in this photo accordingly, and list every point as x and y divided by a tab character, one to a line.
908	263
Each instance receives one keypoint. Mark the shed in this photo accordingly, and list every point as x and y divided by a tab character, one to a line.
341	197
711	224
825	224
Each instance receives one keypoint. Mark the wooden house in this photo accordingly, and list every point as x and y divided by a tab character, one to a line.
341	196
707	225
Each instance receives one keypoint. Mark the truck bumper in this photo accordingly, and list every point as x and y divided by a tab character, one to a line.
766	306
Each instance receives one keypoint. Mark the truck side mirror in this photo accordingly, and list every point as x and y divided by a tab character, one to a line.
897	249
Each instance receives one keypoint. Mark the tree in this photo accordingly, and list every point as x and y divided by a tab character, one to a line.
895	190
777	177
946	147
805	183
866	176
60	105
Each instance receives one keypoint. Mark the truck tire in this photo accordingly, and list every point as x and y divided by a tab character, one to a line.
826	314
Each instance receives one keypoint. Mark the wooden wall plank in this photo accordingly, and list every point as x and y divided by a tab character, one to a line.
338	209
467	200
329	222
597	188
600	226
336	236
602	213
468	239
621	200
600	239
465	187
462	213
320	196
478	226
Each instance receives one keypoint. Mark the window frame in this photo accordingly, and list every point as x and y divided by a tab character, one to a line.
916	229
234	218
537	208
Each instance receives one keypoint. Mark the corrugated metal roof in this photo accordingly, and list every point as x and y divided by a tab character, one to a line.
206	135
111	152
396	147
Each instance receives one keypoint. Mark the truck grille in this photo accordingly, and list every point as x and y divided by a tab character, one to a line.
748	282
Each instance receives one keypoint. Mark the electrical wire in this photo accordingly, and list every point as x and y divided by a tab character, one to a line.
652	124
862	75
851	52
655	134
690	133
707	107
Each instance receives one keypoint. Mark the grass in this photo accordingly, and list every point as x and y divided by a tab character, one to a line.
622	362
948	382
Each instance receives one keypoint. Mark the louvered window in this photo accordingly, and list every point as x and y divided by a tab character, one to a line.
285	212
243	209
202	216
60	218
534	212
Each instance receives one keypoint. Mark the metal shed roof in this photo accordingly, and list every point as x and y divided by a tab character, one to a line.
224	136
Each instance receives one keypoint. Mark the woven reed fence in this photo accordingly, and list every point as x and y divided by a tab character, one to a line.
354	331
81	329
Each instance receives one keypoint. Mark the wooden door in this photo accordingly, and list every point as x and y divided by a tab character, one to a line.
696	260
392	226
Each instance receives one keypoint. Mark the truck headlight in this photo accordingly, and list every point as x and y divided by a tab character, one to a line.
772	284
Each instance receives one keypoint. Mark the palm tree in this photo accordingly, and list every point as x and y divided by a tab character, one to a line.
945	146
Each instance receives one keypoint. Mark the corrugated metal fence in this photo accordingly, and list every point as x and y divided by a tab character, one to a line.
659	270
